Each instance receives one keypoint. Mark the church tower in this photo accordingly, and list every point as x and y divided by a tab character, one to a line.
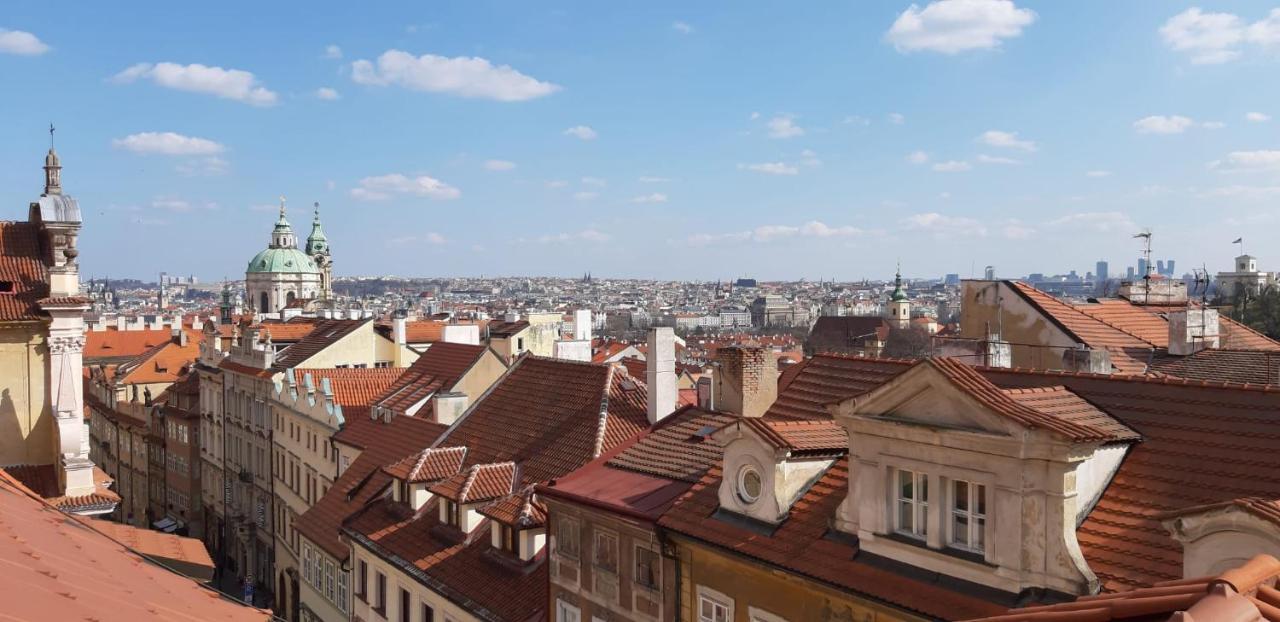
318	250
283	273
898	309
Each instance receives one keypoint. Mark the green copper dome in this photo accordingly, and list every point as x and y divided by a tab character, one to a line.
282	260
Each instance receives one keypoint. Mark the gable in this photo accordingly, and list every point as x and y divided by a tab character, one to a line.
927	399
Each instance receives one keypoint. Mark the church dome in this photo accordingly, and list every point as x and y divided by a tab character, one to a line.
282	260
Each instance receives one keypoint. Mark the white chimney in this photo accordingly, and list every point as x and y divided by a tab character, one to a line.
582	325
511	316
122	322
660	373
1192	330
449	407
398	327
197	323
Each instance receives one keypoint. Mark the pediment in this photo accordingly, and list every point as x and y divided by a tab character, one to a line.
924	397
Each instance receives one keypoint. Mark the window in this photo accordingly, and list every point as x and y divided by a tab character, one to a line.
362	578
712	609
510	539
428	614
329	587
749	484
380	594
567	537
646	567
519	344
405	612
567	613
606	551
968	515
343	578
450	510
306	564
912	508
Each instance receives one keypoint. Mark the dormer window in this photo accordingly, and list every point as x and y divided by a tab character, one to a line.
912	509
968	515
449	513
749	484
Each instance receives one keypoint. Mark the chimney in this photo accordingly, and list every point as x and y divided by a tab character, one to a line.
996	352
1192	330
511	316
746	379
449	407
122	322
706	392
660	373
1086	360
461	333
197	323
582	325
398	327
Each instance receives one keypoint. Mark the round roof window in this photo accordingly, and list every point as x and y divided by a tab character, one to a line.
749	484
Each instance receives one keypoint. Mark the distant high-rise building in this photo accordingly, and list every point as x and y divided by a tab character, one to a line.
1142	266
1101	270
990	273
1170	268
1129	273
952	279
1159	266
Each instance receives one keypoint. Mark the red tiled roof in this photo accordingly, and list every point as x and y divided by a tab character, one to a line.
845	334
324	333
1150	323
352	386
42	479
1060	403
429	465
22	265
61	567
545	417
1243	366
1246	593
522	510
288	332
799	545
111	345
381	443
1128	353
507	329
233	366
438	369
801	438
157	544
165	362
480	482
1066	422
680	447
826	378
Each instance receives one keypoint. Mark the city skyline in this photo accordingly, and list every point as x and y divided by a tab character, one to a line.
466	140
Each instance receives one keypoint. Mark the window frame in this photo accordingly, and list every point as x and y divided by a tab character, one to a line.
919	529
741	484
596	549
574	551
975	521
717	600
655	567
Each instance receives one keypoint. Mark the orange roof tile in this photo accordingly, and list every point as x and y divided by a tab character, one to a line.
352	386
112	345
22	267
437	369
165	362
429	465
61	567
480	482
522	510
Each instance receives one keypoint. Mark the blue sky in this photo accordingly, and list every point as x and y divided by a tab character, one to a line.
669	140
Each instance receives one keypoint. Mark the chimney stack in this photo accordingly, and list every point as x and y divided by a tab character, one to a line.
582	325
398	330
449	407
660	373
122	322
1192	330
1086	360
746	379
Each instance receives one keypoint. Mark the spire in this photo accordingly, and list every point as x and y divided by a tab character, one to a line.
282	235
317	243
898	294
52	168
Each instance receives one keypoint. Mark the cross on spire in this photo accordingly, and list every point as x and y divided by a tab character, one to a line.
282	206
51	129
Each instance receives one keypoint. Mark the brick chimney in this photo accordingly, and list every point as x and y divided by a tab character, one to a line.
746	379
660	373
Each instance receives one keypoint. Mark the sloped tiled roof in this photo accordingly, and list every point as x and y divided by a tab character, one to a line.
1060	403
507	329
164	362
22	265
479	483
429	465
1246	593
382	443
117	346
60	567
826	378
1242	366
680	447
42	479
521	509
352	386
323	334
802	438
438	369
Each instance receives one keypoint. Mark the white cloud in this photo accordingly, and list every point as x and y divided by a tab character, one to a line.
1016	231
944	226
896	118
917	157
989	159
1257	117
234	84
772	168
21	43
594	181
557	183
465	76
167	143
1213	125
682	28
499	165
585	196
1010	140
647	179
1247	161
1161	124
769	233
173	204
783	126
383	187
810	158
582	132
952	166
819	229
1100	222
586	235
1213	38
204	167
954	26
327	94
856	120
1097	173
656	197
332	51
432	238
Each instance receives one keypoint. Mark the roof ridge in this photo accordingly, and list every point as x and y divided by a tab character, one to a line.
1173	380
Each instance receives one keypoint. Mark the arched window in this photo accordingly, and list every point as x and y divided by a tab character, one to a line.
262	303
289	298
